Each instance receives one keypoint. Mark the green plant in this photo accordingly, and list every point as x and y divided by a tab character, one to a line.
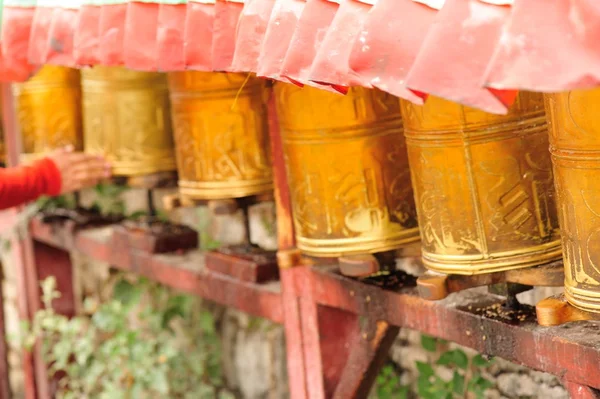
207	242
147	342
387	384
61	201
109	199
161	216
467	378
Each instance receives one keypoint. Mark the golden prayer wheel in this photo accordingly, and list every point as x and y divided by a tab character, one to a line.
127	118
347	170
221	135
483	186
575	148
48	109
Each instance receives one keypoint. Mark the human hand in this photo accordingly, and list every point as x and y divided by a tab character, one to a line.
79	170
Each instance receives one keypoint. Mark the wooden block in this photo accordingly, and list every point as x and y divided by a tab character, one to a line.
244	263
152	181
289	258
548	275
171	202
433	287
78	218
223	207
359	265
156	237
556	310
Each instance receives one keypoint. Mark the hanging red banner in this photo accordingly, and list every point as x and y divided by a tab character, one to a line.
86	40
198	34
16	33
332	62
227	15
548	46
171	23
112	32
140	45
39	39
307	39
455	54
280	30
251	31
61	34
386	48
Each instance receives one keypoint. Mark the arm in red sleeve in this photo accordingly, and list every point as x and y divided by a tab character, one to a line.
27	183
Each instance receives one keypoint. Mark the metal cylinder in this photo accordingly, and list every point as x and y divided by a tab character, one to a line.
347	170
221	134
575	148
127	118
483	186
48	109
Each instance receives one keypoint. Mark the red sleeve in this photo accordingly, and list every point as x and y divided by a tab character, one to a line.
27	183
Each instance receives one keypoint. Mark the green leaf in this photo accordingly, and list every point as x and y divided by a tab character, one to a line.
480	361
127	293
428	343
479	385
454	357
137	215
207	322
425	369
458	383
460	359
423	385
446	358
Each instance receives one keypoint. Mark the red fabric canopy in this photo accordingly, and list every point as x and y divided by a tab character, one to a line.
281	28
548	45
251	31
387	47
457	49
475	52
332	61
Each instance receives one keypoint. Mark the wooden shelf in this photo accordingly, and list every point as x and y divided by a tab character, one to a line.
569	351
185	272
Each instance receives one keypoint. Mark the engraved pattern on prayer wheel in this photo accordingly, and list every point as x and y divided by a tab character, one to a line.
221	135
483	186
48	109
347	170
127	118
575	147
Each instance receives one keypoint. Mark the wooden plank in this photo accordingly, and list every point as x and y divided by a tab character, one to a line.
183	272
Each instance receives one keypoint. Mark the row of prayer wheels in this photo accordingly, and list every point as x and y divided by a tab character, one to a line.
367	173
220	130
